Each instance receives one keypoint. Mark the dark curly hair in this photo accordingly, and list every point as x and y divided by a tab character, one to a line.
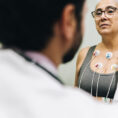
28	24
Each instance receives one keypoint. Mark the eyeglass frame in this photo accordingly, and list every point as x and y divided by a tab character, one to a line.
115	8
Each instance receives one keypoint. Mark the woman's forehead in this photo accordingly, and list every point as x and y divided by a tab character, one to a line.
105	3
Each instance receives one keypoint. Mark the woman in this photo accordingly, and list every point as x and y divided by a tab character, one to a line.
96	69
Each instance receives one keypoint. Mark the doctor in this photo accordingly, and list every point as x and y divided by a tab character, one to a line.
38	35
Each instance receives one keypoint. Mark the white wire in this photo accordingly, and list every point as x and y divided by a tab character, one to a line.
110	85
85	70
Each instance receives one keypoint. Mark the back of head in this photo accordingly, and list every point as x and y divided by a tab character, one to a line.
28	24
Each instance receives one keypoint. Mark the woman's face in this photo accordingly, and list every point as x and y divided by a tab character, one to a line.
107	17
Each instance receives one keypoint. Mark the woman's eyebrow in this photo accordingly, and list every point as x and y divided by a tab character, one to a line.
98	9
105	8
110	7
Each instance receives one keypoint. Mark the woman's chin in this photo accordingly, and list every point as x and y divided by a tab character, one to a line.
105	32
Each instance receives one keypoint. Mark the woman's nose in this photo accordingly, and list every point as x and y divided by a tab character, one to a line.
104	16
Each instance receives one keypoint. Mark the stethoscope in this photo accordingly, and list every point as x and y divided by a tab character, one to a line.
21	53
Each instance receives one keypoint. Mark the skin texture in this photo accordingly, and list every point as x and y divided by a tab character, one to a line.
79	32
109	34
67	36
112	22
64	35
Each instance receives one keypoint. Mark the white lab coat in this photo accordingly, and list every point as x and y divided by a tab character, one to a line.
27	91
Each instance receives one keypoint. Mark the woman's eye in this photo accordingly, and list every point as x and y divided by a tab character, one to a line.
98	13
110	11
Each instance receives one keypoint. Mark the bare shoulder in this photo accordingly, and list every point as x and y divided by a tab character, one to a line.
81	56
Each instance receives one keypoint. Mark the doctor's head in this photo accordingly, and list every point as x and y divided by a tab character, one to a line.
38	24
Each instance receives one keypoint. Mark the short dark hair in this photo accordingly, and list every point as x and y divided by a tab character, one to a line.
28	24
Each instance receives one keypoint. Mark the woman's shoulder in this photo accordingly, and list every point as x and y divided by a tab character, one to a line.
82	54
84	50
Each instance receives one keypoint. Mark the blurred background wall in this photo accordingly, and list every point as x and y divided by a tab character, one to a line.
91	37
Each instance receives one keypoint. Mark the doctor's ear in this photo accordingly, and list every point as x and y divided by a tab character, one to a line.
68	22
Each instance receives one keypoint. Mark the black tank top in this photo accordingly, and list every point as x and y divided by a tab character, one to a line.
89	83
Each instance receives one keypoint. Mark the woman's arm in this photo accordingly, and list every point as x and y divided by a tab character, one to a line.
81	56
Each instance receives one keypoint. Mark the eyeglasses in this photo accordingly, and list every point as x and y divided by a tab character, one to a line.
108	12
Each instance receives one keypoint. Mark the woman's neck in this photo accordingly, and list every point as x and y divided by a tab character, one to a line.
110	42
